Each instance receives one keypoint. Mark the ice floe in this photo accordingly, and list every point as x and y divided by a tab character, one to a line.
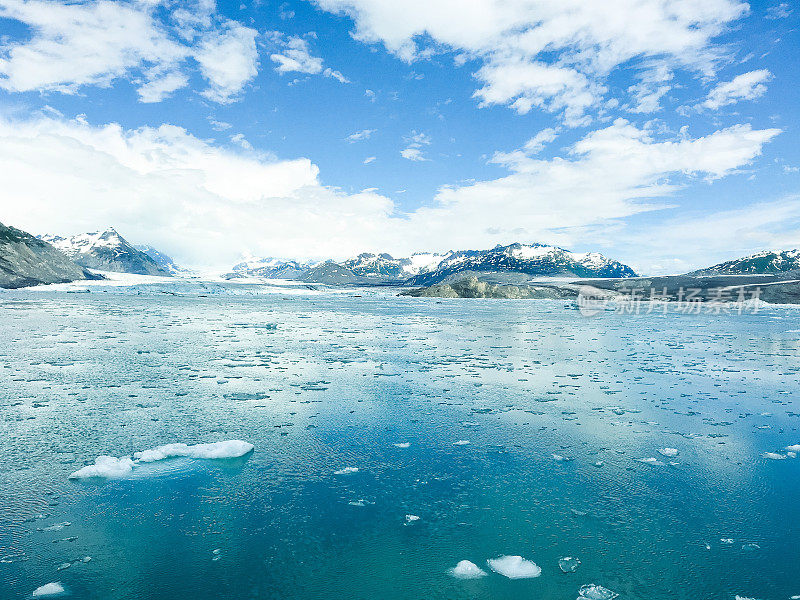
569	564
401	445
346	471
108	467
668	452
651	461
514	567
461	443
49	589
793	448
411	518
214	450
466	569
595	592
774	456
111	467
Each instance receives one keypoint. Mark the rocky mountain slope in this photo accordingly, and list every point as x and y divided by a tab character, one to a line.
163	260
106	251
763	263
26	260
269	268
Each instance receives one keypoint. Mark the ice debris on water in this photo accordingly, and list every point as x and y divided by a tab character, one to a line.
774	456
401	445
569	564
514	567
111	467
668	452
595	592
411	519
49	589
461	443
346	471
55	527
651	461
466	569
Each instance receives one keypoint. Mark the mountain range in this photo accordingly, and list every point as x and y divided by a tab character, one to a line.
28	260
763	263
511	263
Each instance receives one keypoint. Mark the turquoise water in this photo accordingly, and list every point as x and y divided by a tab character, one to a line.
322	382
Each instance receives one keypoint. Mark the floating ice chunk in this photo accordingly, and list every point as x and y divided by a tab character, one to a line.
63	566
595	592
560	458
346	471
514	567
669	452
738	597
774	456
599	464
226	449
401	445
109	467
793	448
466	569
357	503
461	443
411	518
56	527
791	454
726	540
651	461
751	546
569	564
49	589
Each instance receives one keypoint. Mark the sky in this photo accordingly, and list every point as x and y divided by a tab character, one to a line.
662	133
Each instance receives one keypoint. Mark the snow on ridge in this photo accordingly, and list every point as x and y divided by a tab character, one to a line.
84	243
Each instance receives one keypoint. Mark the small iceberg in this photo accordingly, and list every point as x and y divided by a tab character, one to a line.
111	467
668	452
48	590
466	569
346	471
461	443
654	462
774	456
595	592
411	519
402	445
514	567
569	564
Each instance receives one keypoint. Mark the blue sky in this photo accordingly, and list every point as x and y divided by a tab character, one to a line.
661	133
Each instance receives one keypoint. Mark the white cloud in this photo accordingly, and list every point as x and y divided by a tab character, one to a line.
369	159
747	86
364	134
95	43
554	56
228	60
296	57
415	142
779	11
208	205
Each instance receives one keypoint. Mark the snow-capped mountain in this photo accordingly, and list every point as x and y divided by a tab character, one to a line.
384	265
269	268
106	251
525	259
767	262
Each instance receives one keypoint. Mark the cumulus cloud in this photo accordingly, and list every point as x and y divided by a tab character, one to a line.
364	134
94	43
747	86
553	56
295	57
209	205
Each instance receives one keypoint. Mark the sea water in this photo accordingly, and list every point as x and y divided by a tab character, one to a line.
393	438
